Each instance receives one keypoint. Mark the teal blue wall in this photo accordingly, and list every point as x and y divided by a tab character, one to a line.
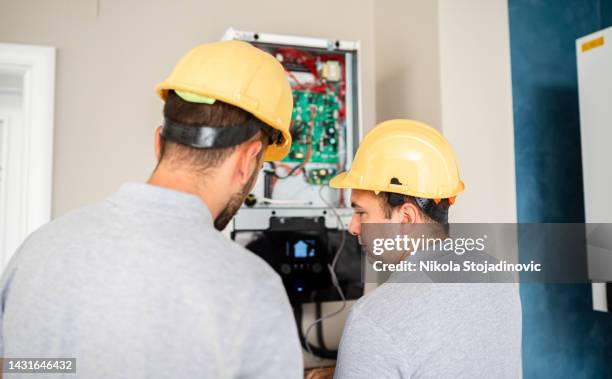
562	336
605	7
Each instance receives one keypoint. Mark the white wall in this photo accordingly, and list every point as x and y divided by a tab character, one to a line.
476	92
407	61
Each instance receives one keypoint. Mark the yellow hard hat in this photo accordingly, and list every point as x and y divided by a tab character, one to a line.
407	152
240	74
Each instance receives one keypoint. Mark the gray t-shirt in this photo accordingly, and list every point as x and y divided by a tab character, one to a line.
143	286
433	330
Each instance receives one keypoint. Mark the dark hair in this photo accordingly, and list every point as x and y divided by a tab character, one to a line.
217	115
437	213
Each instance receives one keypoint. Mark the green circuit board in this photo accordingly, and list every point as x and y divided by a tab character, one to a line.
320	176
324	134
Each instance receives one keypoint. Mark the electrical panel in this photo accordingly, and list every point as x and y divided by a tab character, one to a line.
594	62
325	128
292	218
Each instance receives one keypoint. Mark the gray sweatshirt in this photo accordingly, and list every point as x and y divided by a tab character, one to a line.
143	286
433	330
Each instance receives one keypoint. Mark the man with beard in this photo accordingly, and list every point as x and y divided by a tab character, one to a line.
405	176
144	285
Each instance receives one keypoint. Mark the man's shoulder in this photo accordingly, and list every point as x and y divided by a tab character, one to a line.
73	223
390	296
195	245
421	301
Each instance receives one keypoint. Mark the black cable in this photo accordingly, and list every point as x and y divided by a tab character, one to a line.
318	314
293	170
320	352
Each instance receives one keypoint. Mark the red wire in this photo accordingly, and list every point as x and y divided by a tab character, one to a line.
297	81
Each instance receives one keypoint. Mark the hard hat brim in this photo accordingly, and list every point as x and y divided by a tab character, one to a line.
345	181
341	181
278	152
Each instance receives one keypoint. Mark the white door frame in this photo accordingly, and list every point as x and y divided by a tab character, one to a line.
30	206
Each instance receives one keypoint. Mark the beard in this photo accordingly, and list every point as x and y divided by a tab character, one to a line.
235	201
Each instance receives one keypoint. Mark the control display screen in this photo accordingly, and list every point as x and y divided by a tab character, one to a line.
300	249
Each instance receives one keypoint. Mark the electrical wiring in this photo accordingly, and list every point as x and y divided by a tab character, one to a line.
332	271
319	351
300	57
313	114
298	84
310	63
295	170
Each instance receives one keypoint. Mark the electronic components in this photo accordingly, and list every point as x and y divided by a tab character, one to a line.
331	71
315	125
318	121
250	200
320	176
324	126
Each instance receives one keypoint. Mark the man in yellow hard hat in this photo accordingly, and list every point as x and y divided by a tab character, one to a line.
144	285
405	173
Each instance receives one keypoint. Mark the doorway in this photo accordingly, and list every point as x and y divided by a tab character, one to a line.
27	80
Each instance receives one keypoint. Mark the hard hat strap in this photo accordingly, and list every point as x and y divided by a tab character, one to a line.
422	202
208	137
436	210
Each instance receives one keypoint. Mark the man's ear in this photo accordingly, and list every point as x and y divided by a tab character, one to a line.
248	160
157	143
408	213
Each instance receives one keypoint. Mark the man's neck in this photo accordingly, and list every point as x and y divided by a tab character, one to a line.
186	182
